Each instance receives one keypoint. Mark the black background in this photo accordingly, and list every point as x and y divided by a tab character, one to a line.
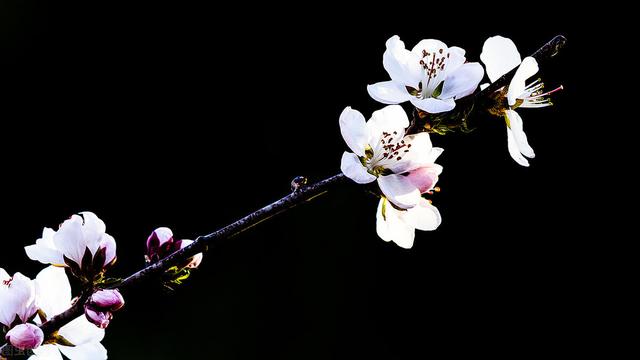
190	116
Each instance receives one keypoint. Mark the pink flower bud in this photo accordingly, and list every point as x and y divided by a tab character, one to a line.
98	318
161	244
425	178
194	261
107	300
25	336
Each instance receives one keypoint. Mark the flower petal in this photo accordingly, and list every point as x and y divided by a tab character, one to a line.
353	169
53	291
388	92
46	352
390	227
88	351
69	239
416	156
80	331
92	230
462	82
44	254
434	106
455	60
499	55
399	190
424	216
527	69
514	151
515	122
402	65
391	118
354	131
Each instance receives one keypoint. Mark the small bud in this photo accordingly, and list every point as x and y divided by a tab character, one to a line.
25	336
98	318
107	300
194	261
160	244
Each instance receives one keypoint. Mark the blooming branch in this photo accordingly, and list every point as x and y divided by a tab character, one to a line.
389	150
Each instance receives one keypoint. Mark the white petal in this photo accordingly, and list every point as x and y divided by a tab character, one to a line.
80	331
388	92
430	46
514	151
391	227
455	60
416	157
92	230
434	106
353	169
70	240
399	190
402	65
88	351
46	352
484	86
44	254
424	216
499	55
388	119
433	155
16	299
53	291
353	129
462	82
519	136
527	69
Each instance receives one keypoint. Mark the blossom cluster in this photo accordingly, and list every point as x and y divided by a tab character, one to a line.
389	150
80	248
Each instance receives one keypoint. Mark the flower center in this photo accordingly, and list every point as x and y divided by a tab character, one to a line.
433	64
391	148
7	282
534	97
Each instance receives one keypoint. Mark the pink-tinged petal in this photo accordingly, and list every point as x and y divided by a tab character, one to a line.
527	69
399	190
25	336
425	178
354	170
434	106
107	300
354	130
388	92
391	227
402	65
97	317
499	55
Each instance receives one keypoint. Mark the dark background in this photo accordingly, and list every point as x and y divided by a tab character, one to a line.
191	116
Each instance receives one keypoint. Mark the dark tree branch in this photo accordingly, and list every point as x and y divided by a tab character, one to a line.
302	195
